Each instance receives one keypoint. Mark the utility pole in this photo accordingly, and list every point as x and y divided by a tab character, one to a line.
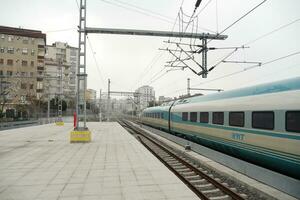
188	87
108	100
48	109
100	114
60	90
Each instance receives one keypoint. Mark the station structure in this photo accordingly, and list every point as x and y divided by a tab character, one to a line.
81	132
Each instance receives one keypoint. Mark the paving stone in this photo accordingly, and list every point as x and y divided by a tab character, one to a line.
114	166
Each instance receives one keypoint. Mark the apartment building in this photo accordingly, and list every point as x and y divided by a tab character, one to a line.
145	95
22	54
60	70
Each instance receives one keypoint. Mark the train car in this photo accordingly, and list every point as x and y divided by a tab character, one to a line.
258	124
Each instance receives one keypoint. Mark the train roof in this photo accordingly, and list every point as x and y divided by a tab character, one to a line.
272	87
266	88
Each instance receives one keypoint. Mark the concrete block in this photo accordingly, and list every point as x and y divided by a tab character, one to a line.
80	136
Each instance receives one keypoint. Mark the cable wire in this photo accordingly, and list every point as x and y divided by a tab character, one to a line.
95	59
240	71
273	31
251	67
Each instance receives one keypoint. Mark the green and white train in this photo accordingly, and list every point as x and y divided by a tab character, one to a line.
258	124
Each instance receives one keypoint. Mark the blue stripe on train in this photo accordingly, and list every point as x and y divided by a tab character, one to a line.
270	161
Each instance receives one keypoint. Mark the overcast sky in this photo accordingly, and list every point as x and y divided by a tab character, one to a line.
133	61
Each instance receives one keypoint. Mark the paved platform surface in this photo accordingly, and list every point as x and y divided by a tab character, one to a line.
39	163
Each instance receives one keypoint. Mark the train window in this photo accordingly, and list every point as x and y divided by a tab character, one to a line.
184	116
193	116
204	117
218	118
292	121
162	115
236	119
263	120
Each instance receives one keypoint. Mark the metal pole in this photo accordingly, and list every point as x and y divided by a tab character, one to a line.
188	87
81	70
108	100
100	114
48	109
204	58
85	75
60	90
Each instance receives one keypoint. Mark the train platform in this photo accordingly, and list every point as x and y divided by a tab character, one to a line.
39	163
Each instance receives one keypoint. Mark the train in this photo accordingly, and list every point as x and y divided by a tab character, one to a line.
258	124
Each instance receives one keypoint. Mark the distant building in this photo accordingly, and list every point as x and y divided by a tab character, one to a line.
22	55
162	99
90	95
146	95
61	59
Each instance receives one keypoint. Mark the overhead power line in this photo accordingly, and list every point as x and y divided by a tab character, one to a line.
243	16
240	71
251	67
60	30
273	31
96	62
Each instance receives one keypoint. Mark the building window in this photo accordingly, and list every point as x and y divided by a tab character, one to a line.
10	62
236	119
193	116
25	40
2	50
263	120
1	61
31	74
31	86
23	74
32	40
204	117
24	51
10	50
162	115
10	38
32	63
24	63
32	52
9	73
23	86
292	121
1	73
2	36
218	118
185	116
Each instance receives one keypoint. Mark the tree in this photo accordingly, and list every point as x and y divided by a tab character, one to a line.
54	104
8	92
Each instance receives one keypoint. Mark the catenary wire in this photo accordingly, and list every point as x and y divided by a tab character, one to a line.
95	59
240	71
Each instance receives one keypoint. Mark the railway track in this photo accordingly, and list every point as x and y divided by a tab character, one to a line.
199	180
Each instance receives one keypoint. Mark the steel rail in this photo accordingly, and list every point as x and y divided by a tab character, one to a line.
217	184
